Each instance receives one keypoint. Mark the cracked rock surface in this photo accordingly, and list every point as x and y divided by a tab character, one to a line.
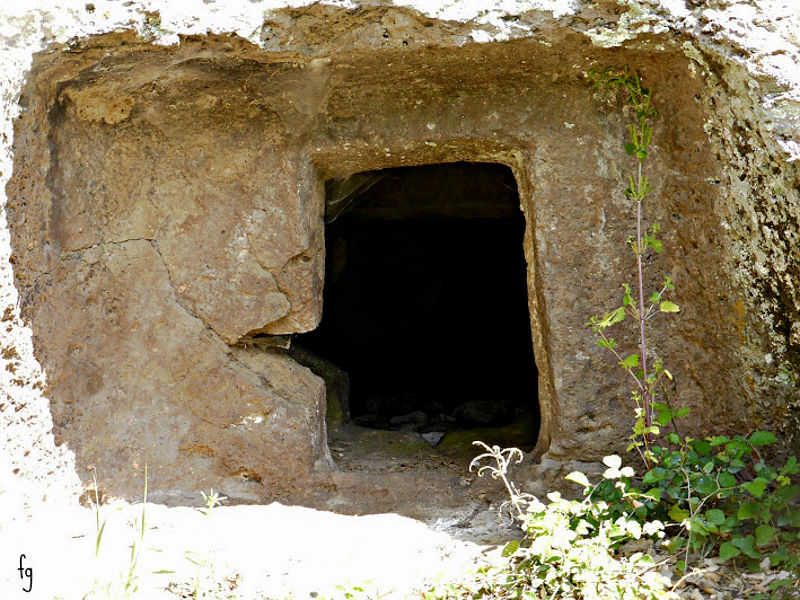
167	202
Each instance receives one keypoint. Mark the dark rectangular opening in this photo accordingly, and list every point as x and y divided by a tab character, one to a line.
426	306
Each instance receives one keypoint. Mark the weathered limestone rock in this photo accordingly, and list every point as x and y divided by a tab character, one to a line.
167	202
217	171
137	380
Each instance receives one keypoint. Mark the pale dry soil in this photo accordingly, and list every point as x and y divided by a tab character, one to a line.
273	551
278	551
265	553
259	552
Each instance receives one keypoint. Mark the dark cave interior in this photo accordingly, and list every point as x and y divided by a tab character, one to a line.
425	301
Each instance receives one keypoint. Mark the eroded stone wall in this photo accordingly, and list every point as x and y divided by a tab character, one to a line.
167	201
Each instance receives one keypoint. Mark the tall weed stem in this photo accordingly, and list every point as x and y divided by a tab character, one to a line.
647	375
646	398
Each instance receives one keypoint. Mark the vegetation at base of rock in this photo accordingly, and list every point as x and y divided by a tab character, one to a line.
571	548
708	497
125	585
205	583
648	381
718	496
640	537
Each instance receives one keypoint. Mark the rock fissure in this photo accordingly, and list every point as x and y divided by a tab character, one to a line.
187	147
154	244
70	253
261	377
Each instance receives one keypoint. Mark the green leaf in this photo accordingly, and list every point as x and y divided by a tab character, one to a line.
99	539
675	544
648	132
737	447
726	480
705	486
715	516
794	518
762	438
615	316
630	149
791	467
727	551
779	556
664	416
745	544
682	412
669	307
579	478
654	475
678	514
749	510
654	493
756	487
702	447
696	525
788	492
510	548
630	362
764	535
627	299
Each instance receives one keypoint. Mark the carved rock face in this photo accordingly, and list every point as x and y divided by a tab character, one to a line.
167	203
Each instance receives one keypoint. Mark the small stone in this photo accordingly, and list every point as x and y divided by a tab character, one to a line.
417	418
484	413
433	437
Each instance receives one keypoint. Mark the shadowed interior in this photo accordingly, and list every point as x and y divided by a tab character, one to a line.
425	304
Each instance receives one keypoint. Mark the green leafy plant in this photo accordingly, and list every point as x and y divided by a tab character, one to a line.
206	582
355	592
647	374
716	494
130	585
698	497
571	548
351	592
